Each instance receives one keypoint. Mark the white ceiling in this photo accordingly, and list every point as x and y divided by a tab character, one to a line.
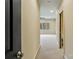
47	5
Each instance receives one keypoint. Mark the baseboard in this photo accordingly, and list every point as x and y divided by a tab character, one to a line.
68	57
65	57
37	52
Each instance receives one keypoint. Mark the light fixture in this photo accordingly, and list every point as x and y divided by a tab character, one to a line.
51	11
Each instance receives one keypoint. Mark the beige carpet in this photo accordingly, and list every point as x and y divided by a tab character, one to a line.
49	48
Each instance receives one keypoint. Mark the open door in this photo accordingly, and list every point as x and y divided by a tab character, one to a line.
13	29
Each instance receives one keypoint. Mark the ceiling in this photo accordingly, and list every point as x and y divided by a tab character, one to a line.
47	5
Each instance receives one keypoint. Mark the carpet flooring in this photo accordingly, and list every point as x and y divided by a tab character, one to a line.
49	48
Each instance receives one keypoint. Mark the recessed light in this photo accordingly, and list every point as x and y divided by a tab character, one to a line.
51	11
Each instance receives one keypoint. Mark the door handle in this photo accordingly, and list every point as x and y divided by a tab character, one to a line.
19	55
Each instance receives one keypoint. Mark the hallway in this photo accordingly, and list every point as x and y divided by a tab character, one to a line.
49	48
39	29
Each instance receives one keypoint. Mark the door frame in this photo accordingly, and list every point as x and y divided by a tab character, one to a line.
63	48
61	29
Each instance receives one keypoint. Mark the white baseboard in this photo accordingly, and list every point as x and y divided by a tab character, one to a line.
37	52
65	57
68	57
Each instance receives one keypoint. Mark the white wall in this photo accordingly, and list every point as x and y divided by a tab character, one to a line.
67	7
30	28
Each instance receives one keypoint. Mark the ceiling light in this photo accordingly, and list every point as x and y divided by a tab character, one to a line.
51	11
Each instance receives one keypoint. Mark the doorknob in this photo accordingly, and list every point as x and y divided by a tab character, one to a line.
19	54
